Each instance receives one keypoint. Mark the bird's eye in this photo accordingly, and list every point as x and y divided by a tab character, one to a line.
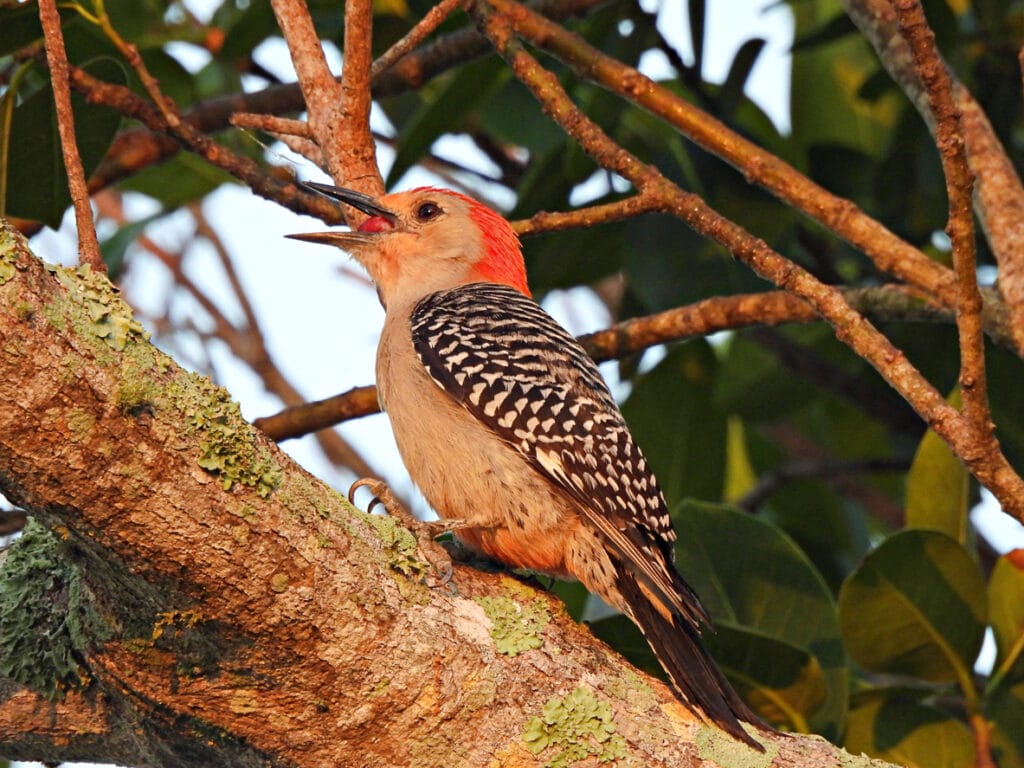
428	211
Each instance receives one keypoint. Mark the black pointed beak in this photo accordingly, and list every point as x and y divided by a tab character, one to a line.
352	238
357	200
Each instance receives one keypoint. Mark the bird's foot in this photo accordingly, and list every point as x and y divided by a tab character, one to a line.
425	532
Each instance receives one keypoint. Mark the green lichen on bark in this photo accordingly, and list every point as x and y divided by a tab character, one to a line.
46	620
578	726
11	241
102	312
515	626
401	549
228	446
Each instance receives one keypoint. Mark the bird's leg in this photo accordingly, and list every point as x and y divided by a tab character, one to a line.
425	532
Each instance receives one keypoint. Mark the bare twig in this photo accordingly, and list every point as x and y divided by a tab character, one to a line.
294	134
431	21
57	60
960	227
312	417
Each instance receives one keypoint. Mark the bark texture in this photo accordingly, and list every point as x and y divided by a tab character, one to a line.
190	596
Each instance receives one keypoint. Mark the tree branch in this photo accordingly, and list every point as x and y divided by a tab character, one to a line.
960	227
57	60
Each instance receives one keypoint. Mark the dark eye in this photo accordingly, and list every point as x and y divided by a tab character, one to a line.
428	211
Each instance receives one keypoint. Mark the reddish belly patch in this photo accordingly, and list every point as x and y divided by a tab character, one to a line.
543	552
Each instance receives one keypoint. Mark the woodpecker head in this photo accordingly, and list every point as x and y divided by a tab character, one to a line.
426	240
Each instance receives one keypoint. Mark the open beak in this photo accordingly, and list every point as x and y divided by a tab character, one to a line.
357	200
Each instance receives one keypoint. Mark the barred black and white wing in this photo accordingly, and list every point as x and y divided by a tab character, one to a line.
503	358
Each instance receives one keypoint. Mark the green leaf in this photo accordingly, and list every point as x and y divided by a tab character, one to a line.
908	733
180	180
827	76
937	487
740	477
37	186
1006	615
916	606
754	386
785	684
444	110
731	93
773	594
685	442
513	98
1005	709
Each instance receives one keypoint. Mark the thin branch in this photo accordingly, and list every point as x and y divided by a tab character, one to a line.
960	227
431	21
590	216
294	134
57	60
981	729
311	417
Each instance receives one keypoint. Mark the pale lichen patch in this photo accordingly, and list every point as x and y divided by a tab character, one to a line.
228	444
578	726
515	626
106	315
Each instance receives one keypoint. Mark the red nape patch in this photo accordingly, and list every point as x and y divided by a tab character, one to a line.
375	224
503	263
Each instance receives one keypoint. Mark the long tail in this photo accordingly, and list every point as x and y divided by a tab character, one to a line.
676	643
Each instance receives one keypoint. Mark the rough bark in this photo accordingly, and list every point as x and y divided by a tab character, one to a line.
207	602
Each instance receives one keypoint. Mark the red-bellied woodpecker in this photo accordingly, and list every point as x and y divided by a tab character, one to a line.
506	425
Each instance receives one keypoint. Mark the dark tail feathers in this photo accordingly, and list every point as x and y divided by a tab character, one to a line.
695	677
